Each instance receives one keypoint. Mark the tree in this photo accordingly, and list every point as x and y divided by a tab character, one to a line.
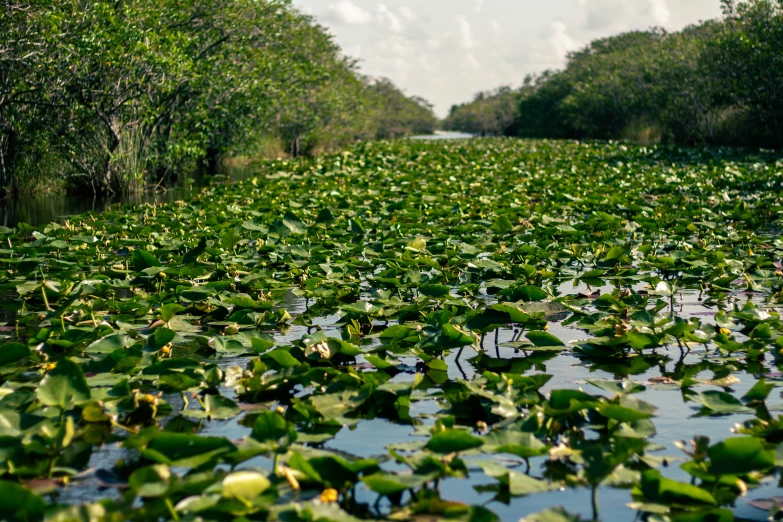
113	95
491	113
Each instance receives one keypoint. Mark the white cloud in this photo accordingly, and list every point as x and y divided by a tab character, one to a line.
471	62
555	43
354	51
497	33
347	13
417	33
388	19
612	16
479	7
407	14
560	41
426	65
465	33
660	11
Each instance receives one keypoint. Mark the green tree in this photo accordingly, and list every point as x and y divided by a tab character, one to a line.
746	61
491	113
113	95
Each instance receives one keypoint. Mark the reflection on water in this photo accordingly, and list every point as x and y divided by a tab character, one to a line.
40	209
46	208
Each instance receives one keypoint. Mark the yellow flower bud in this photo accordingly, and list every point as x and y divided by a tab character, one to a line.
329	496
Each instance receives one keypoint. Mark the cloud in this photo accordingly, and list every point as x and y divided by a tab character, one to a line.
479	7
407	14
612	16
471	62
354	51
496	28
559	40
465	33
426	65
554	44
388	19
346	12
416	33
660	11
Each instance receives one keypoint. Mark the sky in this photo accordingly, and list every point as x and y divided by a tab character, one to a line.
447	50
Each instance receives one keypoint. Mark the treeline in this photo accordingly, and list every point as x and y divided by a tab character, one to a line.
491	113
115	95
720	82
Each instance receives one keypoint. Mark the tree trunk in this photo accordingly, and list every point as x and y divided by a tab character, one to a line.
162	135
114	144
296	147
213	160
9	145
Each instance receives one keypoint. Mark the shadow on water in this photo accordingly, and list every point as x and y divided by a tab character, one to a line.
40	209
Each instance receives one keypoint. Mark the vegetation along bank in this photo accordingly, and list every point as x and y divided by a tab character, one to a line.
112	96
719	82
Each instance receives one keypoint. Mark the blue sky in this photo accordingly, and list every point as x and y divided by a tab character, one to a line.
446	50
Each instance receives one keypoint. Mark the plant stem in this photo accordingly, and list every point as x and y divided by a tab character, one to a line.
45	299
594	500
170	506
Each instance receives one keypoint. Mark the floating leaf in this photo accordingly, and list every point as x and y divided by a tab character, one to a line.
544	339
64	386
451	441
244	485
390	484
719	402
740	455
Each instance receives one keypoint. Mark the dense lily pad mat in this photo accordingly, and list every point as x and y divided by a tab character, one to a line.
421	285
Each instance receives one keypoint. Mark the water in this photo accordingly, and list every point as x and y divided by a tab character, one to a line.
444	135
675	419
40	209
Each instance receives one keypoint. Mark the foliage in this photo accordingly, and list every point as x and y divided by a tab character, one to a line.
717	82
116	95
396	115
360	289
489	114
